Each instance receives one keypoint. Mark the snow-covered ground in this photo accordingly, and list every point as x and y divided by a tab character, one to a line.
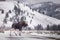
7	34
24	36
47	35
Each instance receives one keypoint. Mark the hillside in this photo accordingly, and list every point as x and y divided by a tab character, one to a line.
33	18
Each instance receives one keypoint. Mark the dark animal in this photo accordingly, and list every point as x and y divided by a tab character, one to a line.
19	25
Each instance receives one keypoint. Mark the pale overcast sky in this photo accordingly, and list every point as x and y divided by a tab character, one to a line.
37	1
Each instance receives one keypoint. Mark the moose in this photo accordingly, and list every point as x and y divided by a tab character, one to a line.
19	26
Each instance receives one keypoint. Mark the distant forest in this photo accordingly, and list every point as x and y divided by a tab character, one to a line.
52	28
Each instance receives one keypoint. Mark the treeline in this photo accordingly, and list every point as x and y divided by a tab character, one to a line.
51	28
39	27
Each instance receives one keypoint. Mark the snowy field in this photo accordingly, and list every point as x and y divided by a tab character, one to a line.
31	36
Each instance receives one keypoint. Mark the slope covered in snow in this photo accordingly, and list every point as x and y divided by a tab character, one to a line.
33	18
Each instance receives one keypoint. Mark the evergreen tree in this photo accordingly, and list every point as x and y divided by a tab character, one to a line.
2	11
39	27
7	15
5	20
47	27
10	11
58	28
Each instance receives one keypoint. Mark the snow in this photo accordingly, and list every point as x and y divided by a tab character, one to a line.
8	24
38	18
30	35
47	35
6	5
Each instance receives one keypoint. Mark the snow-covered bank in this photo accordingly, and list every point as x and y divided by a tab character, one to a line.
24	36
47	35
